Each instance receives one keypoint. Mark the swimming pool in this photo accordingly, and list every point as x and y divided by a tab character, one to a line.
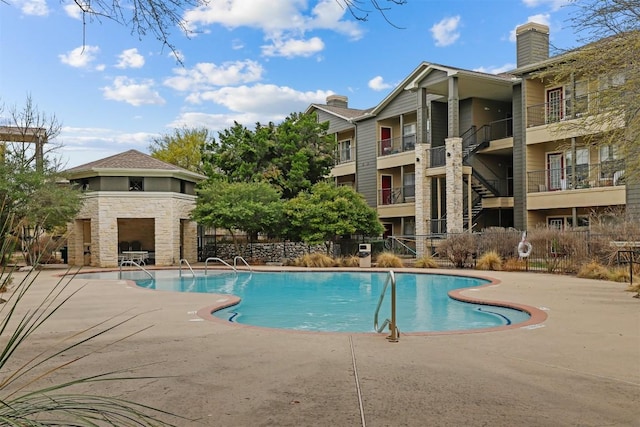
335	301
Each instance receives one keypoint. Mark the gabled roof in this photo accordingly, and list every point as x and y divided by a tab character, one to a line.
132	163
341	112
412	81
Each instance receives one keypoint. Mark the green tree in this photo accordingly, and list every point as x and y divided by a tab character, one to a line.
291	156
183	148
252	207
329	211
607	65
33	192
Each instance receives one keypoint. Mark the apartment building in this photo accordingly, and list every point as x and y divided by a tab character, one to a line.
452	150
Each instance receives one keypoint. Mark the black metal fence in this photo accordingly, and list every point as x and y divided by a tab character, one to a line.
544	249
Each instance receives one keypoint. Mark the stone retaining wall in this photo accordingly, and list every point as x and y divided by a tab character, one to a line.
264	252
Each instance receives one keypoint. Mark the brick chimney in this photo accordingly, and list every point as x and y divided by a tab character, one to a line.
532	43
338	101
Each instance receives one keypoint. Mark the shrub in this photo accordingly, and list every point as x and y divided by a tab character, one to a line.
489	261
426	261
500	240
514	264
458	248
594	270
316	259
389	260
350	261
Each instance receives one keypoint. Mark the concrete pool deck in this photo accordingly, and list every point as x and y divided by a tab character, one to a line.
581	366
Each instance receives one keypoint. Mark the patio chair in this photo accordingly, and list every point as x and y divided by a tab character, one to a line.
136	245
123	246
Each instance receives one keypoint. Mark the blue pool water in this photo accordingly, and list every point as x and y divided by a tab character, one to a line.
334	301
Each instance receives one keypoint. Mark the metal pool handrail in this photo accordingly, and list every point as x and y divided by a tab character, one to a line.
188	265
206	262
235	262
393	329
132	262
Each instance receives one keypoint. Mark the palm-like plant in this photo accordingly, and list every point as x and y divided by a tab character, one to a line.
27	396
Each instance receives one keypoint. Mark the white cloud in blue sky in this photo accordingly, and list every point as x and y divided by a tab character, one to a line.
130	58
246	61
377	83
134	92
445	32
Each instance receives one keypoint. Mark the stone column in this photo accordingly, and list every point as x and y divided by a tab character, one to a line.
455	202
423	183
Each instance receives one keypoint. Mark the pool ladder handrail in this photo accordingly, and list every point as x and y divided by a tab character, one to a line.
393	328
215	258
188	265
132	262
235	262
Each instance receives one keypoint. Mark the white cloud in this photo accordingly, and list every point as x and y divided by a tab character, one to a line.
80	57
540	18
290	16
130	58
83	145
177	55
554	4
206	75
135	93
446	32
34	7
496	70
221	121
377	83
291	48
73	10
261	99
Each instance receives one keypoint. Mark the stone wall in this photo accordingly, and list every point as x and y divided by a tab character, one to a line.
169	213
264	252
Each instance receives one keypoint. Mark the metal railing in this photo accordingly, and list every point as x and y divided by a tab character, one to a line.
184	261
244	261
560	110
135	264
397	145
393	328
392	196
606	174
345	155
206	264
437	156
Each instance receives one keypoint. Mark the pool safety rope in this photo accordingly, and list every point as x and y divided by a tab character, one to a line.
355	375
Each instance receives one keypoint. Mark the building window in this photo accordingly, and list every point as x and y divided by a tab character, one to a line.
409	137
183	187
345	151
136	183
555	105
409	185
582	168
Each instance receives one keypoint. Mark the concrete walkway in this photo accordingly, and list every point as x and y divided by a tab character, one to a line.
580	367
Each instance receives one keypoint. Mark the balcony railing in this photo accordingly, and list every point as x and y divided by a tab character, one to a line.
392	196
437	156
345	155
606	174
397	145
501	129
560	110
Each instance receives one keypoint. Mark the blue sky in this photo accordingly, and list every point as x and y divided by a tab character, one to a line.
247	60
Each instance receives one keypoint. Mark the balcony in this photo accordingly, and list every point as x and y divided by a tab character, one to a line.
561	110
345	155
401	144
392	196
605	174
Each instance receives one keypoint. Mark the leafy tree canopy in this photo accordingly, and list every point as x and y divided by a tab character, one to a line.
183	148
252	207
329	211
291	156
